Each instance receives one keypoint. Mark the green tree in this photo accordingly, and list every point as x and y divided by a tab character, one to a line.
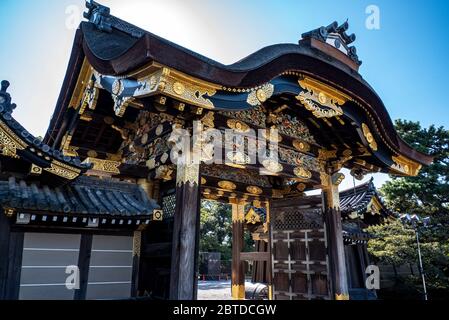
216	229
425	195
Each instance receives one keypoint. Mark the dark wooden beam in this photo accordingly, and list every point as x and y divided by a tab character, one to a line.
254	256
83	265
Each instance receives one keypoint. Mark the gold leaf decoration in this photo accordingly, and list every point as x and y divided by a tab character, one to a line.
237	125
256	97
227	185
302	173
322	100
272	166
369	137
254	190
301	146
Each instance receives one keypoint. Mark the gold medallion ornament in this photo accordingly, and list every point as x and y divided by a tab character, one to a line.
227	185
157	215
179	88
301	187
369	137
272	166
203	181
159	129
237	125
260	95
254	190
36	170
302	173
301	146
322	98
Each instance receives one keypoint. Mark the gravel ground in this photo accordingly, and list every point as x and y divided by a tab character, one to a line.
221	290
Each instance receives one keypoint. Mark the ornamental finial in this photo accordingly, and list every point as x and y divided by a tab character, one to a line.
5	85
5	98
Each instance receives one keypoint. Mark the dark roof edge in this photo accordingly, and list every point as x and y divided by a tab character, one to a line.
16	131
68	86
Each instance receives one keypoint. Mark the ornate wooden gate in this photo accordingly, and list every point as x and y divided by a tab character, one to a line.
299	253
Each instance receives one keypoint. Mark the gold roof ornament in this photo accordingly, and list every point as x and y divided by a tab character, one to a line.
322	100
369	137
405	166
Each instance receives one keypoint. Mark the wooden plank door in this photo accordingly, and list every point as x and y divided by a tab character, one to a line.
300	265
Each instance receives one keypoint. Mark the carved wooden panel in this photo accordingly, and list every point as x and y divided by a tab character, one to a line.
299	253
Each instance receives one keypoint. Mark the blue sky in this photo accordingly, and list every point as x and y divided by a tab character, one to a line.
405	61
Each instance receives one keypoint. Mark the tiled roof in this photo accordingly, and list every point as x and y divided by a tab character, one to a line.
87	195
357	199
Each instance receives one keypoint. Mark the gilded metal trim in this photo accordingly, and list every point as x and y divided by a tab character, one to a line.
260	95
10	142
63	170
322	100
107	166
302	173
405	166
369	137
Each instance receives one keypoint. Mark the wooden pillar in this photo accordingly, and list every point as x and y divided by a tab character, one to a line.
238	266
270	261
137	244
84	265
5	233
14	265
185	233
334	231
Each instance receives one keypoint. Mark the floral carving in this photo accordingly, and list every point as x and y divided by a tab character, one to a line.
293	127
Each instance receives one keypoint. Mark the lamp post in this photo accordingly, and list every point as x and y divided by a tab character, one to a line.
413	221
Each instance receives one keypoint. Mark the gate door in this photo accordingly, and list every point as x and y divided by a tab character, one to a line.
299	254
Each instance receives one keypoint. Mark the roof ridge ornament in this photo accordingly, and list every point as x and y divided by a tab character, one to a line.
5	98
101	17
336	36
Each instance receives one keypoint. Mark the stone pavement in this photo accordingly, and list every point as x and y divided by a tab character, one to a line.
221	290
